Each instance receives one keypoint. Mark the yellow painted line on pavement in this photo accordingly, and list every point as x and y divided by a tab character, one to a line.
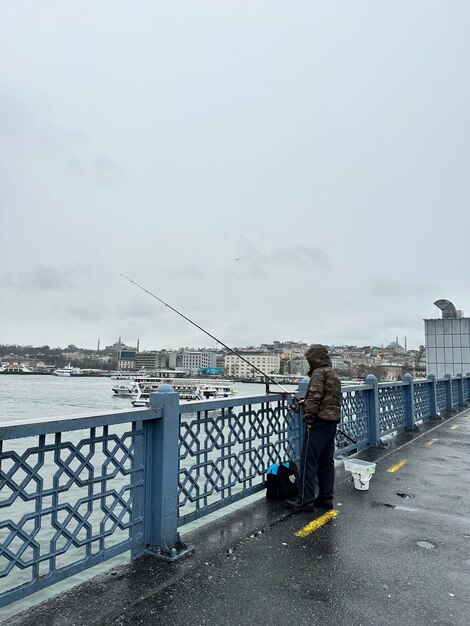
396	467
454	427
317	523
430	443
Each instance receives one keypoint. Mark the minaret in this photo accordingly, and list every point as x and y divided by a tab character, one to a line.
98	349
405	344
138	341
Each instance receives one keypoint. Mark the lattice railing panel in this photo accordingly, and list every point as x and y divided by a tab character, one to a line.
353	418
66	499
392	408
441	395
225	453
422	405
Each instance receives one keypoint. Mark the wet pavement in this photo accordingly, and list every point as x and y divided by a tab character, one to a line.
396	554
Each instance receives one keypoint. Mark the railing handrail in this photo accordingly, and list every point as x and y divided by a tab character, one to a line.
212	405
361	387
16	429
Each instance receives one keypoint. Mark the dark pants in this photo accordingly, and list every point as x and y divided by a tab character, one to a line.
317	461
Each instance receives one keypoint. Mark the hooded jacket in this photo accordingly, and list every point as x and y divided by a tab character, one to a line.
323	397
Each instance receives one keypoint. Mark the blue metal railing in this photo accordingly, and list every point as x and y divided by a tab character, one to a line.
70	496
227	445
75	492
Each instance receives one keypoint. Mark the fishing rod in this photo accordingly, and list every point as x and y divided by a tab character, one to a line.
222	344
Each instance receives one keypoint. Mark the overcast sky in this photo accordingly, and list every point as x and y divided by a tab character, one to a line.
275	170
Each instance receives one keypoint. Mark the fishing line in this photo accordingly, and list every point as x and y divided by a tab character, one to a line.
209	334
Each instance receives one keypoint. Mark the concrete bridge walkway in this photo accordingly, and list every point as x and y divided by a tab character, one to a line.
396	554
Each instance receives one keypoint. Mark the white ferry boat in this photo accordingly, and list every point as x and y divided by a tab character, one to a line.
188	388
122	376
15	368
68	370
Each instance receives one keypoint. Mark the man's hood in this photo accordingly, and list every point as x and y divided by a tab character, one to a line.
317	356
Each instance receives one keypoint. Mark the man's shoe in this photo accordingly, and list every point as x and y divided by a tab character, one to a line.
323	503
298	507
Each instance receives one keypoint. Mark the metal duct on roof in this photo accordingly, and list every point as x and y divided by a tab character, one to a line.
447	308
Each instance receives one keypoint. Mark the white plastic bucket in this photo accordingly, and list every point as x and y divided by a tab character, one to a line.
361	481
361	471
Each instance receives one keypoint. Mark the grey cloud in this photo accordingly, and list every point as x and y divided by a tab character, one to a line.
301	255
386	288
282	256
187	272
32	132
107	172
139	309
23	125
75	167
103	171
92	311
44	278
402	320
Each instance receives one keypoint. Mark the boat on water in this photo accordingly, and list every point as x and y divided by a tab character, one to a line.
187	390
123	391
142	386
68	370
122	376
15	368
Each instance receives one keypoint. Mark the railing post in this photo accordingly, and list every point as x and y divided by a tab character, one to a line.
300	394
449	402
409	402
161	537
373	412
138	493
460	389
467	376
432	387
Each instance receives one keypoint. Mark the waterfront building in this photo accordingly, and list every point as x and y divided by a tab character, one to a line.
163	359
267	362
337	362
146	360
447	342
172	359
298	365
127	360
191	360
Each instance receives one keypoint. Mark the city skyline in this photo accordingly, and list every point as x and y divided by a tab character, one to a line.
219	348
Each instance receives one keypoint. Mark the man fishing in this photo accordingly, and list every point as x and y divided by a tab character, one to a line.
322	413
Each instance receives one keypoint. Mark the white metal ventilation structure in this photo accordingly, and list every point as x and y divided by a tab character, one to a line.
449	312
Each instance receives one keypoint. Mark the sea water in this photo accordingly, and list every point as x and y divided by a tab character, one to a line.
26	397
30	396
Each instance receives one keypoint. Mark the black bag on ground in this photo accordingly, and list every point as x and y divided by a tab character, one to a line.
281	481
